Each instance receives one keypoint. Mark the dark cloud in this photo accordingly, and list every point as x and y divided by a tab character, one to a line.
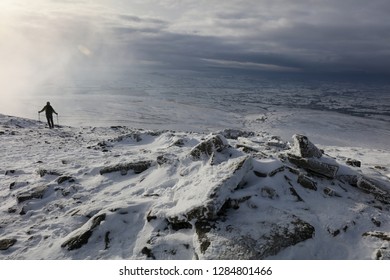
305	36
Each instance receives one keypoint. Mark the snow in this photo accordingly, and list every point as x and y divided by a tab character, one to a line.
192	167
180	206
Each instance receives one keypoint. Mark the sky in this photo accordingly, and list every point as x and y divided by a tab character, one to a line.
42	40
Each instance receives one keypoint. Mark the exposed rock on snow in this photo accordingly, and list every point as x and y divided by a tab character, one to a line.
223	240
35	193
302	147
378	234
306	182
235	133
354	162
315	166
383	253
5	244
42	172
137	167
211	192
380	190
205	149
65	178
231	195
80	237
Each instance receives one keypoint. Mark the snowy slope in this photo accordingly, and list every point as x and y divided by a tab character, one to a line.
122	193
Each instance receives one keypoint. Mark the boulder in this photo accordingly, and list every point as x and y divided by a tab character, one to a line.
166	159
65	178
9	172
42	172
137	167
353	162
35	193
232	241
374	187
236	133
379	189
315	166
7	243
302	147
204	197
205	149
382	253
307	182
81	237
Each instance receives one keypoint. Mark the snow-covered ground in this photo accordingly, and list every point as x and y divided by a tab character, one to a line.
191	167
114	192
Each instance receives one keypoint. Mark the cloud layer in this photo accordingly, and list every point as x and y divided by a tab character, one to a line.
303	36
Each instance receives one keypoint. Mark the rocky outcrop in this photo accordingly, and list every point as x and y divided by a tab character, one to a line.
81	237
307	182
228	241
235	133
137	167
205	149
34	193
353	162
379	190
211	196
306	155
382	253
42	172
65	178
315	166
302	147
374	187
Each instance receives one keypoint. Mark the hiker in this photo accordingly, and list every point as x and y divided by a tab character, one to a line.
49	114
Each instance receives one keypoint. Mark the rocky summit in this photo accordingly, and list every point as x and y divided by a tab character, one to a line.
123	193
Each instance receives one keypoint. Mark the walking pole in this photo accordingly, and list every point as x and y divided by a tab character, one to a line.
57	121
39	117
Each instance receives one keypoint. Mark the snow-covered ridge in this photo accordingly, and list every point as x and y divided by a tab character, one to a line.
121	193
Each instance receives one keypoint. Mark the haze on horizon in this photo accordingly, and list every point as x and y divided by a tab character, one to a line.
50	40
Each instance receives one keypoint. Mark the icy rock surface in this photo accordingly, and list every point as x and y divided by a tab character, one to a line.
302	147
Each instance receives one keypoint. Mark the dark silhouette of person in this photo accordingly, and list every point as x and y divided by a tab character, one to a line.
49	114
